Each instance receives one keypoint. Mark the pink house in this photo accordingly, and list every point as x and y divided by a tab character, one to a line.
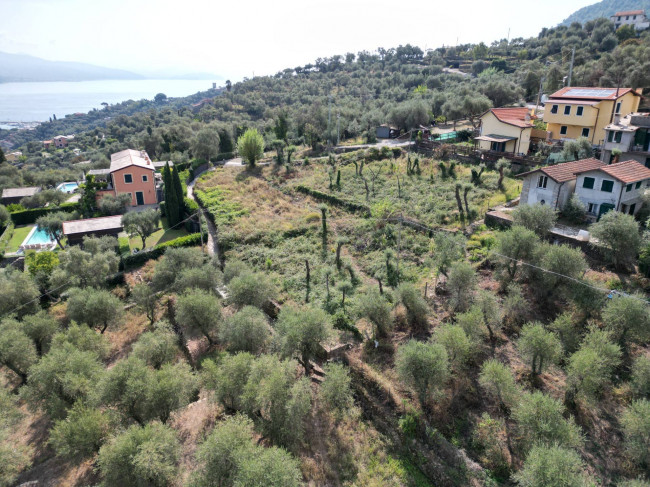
132	173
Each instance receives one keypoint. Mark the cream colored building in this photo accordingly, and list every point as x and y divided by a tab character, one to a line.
585	112
507	130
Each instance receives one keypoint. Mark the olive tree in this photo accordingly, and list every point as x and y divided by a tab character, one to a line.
422	366
97	308
52	223
538	218
82	433
458	345
618	235
497	380
142	455
146	300
201	311
18	293
376	309
540	420
628	318
301	332
416	307
636	431
251	146
141	224
335	391
156	348
205	144
246	331
228	379
641	376
552	466
17	351
251	288
173	264
519	244
539	347
461	285
81	268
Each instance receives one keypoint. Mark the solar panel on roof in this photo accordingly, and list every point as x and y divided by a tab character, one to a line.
590	93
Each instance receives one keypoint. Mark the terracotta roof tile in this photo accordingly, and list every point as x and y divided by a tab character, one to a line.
627	171
628	12
513	116
567	171
130	157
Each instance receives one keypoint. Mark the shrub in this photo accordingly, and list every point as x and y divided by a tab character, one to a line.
416	307
136	260
618	234
574	210
497	380
156	348
97	308
228	379
641	376
81	434
201	311
456	343
461	285
374	306
334	200
26	217
627	317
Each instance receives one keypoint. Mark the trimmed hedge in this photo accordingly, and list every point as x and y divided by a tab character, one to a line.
135	260
348	205
26	217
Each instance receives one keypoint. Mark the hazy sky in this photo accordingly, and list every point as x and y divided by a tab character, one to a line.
236	38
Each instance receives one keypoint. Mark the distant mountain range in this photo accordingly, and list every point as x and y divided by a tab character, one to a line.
605	8
21	67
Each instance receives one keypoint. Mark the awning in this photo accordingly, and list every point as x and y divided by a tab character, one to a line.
495	138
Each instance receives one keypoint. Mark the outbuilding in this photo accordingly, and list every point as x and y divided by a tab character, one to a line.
76	230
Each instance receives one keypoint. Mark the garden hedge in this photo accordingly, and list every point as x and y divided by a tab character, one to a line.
26	217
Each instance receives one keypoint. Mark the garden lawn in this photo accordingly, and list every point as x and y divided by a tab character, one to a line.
20	233
163	234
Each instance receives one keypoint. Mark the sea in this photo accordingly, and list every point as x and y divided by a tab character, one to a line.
25	104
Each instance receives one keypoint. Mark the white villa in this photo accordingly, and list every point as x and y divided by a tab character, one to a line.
599	186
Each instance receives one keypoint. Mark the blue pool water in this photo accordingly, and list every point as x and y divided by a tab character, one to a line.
67	187
38	236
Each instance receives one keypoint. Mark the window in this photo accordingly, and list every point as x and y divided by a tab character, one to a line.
144	178
579	111
607	186
588	183
632	208
542	181
637	185
554	109
563	130
628	188
585	132
128	178
618	107
567	110
610	136
591	208
627	17
619	19
617	137
634	17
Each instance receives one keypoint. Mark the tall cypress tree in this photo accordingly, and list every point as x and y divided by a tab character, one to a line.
171	200
178	188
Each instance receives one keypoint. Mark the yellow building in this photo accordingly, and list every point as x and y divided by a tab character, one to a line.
508	130
576	112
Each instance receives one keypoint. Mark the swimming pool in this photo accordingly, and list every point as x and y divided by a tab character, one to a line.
69	187
37	236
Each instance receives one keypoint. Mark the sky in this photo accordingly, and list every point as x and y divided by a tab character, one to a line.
237	39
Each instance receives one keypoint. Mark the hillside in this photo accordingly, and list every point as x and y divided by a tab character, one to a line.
19	67
605	8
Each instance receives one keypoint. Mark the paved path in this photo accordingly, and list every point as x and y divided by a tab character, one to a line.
212	230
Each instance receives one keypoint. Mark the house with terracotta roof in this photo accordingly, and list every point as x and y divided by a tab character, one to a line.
131	172
574	112
634	18
631	136
599	186
508	130
617	187
553	185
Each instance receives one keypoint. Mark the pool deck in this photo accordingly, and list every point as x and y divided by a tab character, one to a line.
39	246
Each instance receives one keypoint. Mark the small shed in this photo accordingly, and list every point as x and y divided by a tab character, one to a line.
14	195
76	230
387	132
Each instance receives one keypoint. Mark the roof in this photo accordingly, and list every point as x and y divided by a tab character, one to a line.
99	172
629	12
20	192
519	117
591	93
496	138
130	157
627	171
566	101
567	171
90	225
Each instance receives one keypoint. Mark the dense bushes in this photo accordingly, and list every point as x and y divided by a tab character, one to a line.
348	205
140	258
26	217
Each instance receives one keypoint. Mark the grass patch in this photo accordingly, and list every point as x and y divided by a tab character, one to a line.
162	235
20	233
